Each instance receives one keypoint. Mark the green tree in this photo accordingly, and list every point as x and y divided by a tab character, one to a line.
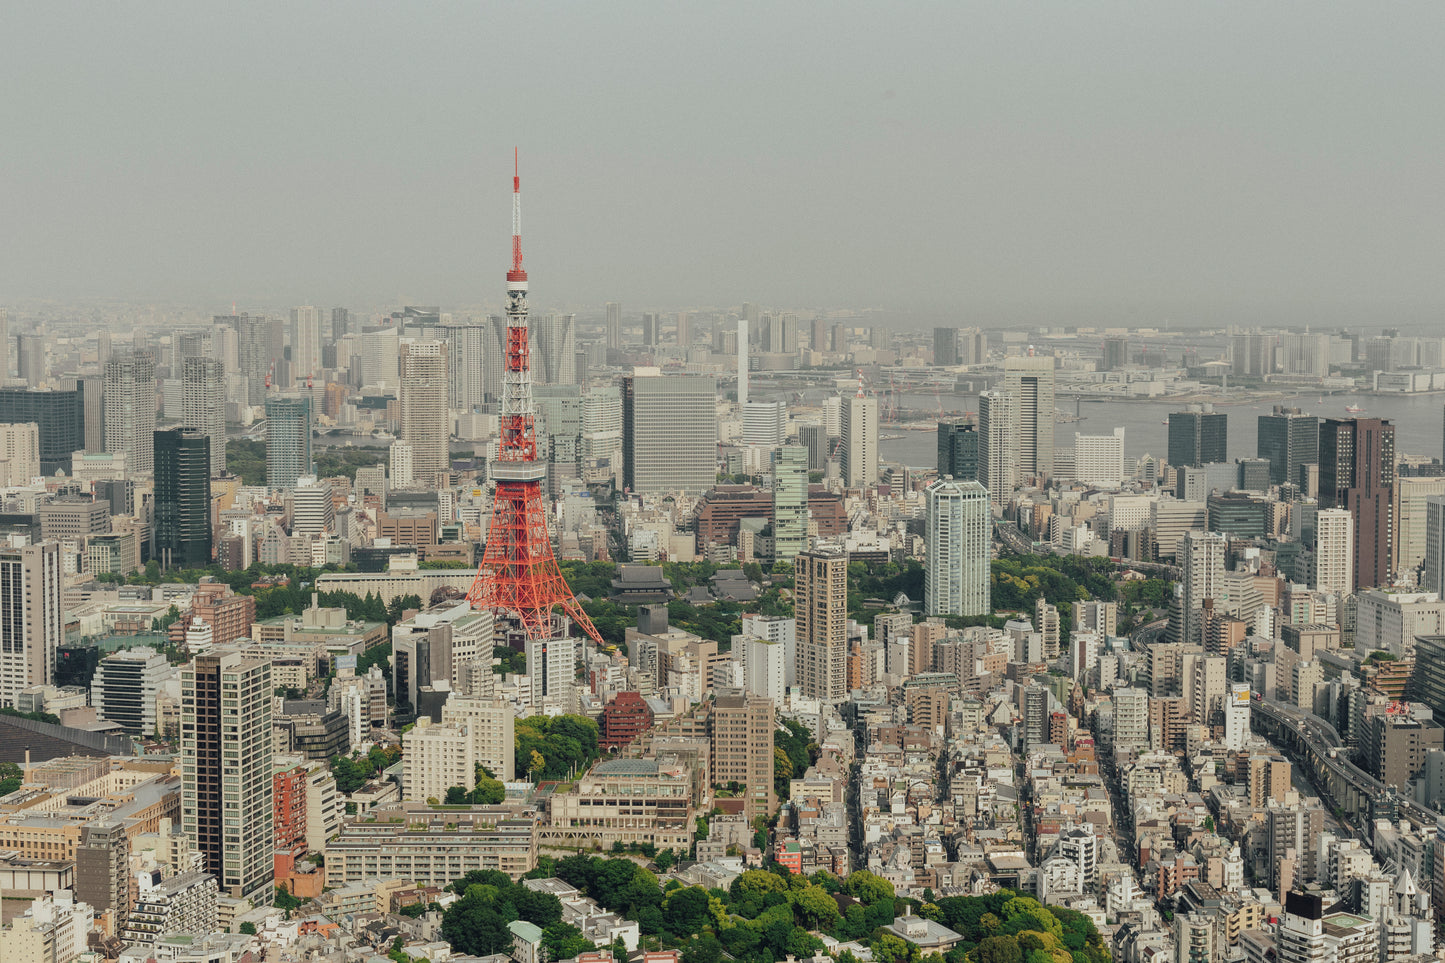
474	925
685	910
999	949
867	887
561	941
814	909
704	948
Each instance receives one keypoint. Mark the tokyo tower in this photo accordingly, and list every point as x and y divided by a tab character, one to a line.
519	573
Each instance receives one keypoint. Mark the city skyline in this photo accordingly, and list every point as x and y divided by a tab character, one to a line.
1073	587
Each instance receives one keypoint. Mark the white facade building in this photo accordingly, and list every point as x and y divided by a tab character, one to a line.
859	449
1099	459
958	537
1334	569
765	668
1237	708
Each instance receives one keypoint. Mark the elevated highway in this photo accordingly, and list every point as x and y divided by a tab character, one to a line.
1314	745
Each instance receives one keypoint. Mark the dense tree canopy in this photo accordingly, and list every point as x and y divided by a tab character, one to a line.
562	744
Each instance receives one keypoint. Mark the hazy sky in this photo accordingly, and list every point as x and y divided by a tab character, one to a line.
1060	162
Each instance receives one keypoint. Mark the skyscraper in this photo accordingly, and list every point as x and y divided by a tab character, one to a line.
790	502
340	323
5	346
288	441
466	364
1251	355
425	420
669	433
1116	354
30	617
958	532
1304	354
554	348
183	498
1198	436
130	409
203	406
30	359
998	453
651	336
614	326
305	342
1288	438
765	423
257	348
602	429
1201	555
226	784
820	610
958	450
945	346
859	449
1031	379
1357	473
1432	570
815	439
743	361
60	416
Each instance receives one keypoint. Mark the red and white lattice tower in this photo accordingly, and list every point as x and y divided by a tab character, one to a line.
519	574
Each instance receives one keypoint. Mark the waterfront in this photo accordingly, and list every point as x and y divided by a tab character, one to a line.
1418	421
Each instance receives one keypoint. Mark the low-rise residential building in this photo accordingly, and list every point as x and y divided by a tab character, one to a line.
430	846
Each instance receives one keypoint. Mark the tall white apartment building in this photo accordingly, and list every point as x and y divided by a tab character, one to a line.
552	671
833	416
425	418
203	405
1031	380
1131	718
130	409
1334	550
602	427
958	534
765	664
860	441
1201	555
998	452
776	628
305	343
403	465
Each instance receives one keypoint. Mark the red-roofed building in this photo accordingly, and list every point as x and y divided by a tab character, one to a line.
625	718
